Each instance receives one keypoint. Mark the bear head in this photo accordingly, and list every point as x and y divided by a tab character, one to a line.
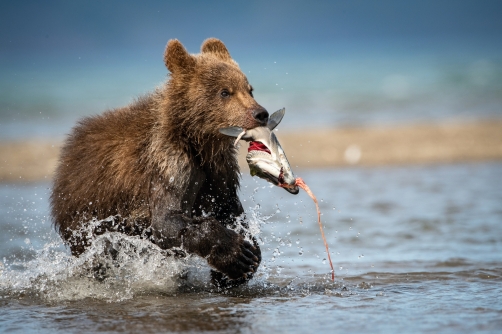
209	91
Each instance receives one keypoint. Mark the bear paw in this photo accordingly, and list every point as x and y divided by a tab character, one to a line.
222	282
235	257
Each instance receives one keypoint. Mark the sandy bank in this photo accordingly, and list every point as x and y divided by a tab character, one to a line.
389	145
34	160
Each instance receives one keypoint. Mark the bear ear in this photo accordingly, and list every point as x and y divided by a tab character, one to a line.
216	47
177	58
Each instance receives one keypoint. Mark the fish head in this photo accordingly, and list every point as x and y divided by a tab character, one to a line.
266	157
267	160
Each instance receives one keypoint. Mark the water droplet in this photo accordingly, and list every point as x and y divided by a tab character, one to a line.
27	241
300	252
171	179
212	199
90	203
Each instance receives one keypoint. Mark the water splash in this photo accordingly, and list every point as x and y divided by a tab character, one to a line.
136	267
115	267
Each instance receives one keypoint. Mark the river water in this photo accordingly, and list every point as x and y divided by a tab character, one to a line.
415	249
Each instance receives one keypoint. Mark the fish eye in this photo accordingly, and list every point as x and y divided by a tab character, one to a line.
225	93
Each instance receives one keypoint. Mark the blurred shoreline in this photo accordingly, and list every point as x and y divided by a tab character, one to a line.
34	160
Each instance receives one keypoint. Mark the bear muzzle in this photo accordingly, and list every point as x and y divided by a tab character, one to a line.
260	115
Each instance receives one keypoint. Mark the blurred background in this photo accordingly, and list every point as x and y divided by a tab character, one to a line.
356	77
332	64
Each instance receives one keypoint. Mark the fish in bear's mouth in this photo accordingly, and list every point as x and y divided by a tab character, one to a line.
266	158
256	146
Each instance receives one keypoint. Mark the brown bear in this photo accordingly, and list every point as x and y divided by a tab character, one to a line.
160	169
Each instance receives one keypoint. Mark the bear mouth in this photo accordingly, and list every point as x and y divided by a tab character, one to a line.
258	146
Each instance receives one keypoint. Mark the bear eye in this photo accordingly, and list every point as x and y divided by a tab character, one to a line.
251	92
225	93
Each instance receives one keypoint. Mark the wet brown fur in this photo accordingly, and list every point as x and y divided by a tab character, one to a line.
158	164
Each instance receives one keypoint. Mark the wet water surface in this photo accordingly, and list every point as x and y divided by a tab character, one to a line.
415	249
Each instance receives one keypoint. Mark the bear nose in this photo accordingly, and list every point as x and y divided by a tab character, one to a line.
261	115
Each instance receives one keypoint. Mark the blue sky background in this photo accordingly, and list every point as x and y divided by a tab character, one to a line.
328	62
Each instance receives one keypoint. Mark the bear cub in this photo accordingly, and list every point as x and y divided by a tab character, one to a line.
160	169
